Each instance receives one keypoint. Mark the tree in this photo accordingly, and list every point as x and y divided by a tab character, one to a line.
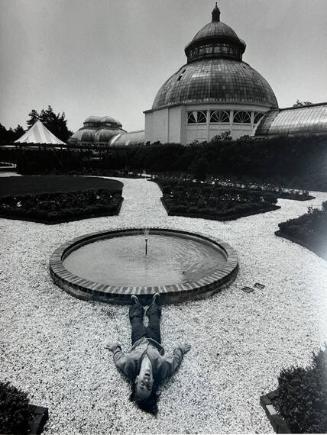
56	123
19	131
9	136
302	103
34	116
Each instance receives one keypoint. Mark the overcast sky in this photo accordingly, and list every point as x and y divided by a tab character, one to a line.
110	57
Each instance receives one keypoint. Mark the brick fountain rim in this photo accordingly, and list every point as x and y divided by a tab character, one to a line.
91	291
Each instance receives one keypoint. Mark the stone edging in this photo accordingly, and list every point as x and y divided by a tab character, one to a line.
38	419
278	423
89	290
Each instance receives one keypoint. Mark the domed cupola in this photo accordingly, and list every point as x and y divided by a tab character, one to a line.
215	40
214	92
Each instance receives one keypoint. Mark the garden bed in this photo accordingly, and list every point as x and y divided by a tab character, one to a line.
57	199
54	208
37	184
17	415
308	230
210	201
299	404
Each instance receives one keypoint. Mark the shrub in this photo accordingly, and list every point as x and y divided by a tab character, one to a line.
303	396
14	410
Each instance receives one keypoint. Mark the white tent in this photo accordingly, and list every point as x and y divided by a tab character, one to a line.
39	134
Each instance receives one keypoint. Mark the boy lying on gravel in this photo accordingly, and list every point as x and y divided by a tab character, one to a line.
145	365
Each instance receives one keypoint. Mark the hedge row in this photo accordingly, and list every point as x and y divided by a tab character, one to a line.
292	161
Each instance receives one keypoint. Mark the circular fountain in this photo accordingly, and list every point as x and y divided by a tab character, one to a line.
110	266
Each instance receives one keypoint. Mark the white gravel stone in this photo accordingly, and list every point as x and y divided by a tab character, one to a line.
52	345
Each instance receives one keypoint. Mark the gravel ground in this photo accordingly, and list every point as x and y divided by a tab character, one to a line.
52	345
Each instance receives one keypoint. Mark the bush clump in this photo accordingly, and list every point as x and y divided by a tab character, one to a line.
14	410
303	396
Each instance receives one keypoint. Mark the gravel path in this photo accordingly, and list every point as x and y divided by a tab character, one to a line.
52	345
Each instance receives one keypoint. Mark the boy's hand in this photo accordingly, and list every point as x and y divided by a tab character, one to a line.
112	346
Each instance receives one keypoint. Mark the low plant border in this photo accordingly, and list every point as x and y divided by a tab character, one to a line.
89	290
277	421
230	217
89	215
292	239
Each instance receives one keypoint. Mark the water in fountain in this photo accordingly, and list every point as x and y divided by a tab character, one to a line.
122	260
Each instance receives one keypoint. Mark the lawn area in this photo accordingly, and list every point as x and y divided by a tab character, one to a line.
35	184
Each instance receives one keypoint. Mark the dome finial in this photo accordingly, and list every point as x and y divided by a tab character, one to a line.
216	13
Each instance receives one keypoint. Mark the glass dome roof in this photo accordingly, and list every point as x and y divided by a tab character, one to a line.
294	120
216	81
102	120
215	72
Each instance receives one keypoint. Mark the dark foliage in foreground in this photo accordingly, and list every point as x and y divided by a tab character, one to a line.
303	396
310	230
14	410
61	207
195	199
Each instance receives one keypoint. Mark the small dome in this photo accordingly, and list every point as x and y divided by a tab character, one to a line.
215	39
110	120
216	30
93	120
96	120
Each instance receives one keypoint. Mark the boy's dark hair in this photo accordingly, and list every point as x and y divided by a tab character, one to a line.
150	404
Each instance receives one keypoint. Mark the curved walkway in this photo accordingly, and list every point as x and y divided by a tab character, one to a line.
52	345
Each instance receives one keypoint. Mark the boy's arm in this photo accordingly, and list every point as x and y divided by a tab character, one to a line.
175	361
120	359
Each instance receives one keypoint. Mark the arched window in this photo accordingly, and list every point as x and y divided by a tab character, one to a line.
219	116
242	117
199	117
257	116
191	118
